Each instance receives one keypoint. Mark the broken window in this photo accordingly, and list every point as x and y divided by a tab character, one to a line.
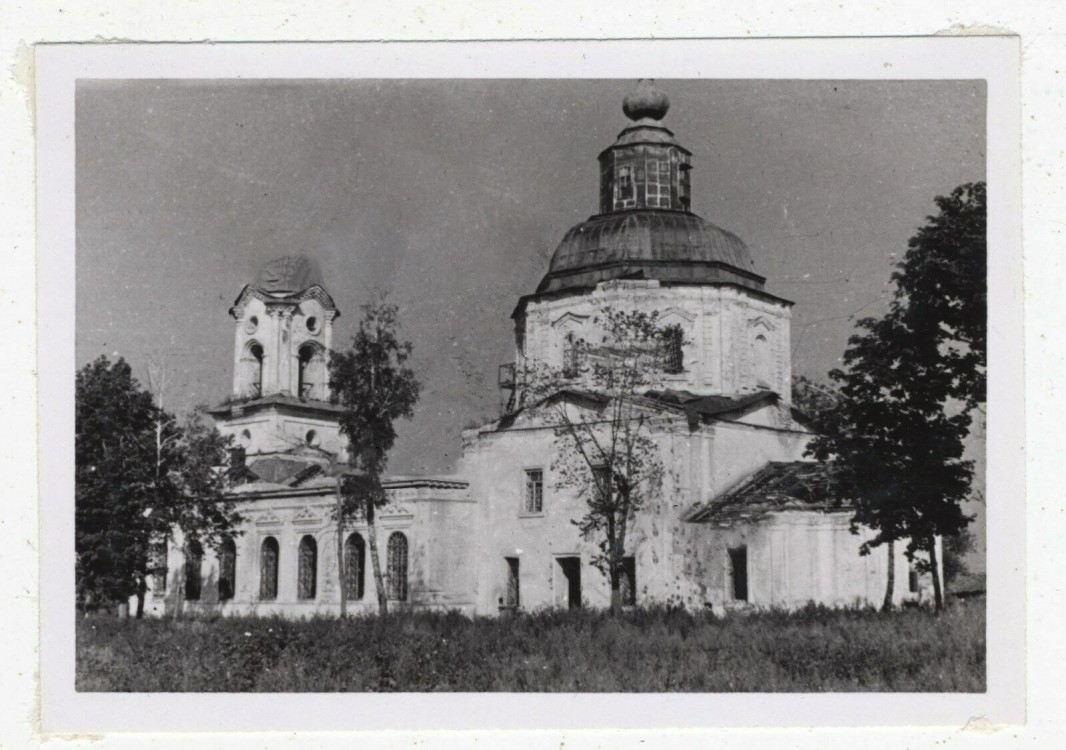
227	568
672	352
354	567
268	569
738	568
534	498
513	594
194	557
307	568
397	553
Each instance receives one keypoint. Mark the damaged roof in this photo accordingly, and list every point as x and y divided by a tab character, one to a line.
718	407
778	486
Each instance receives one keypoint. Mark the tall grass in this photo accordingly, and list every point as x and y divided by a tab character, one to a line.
813	649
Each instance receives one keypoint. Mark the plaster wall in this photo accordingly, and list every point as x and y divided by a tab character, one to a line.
720	326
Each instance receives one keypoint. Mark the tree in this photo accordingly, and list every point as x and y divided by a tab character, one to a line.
139	475
373	383
114	479
910	381
605	449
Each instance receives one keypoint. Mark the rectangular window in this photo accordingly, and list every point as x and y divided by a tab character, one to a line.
738	568
513	599
534	499
625	188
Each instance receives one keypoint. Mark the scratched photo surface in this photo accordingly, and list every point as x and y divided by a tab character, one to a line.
721	239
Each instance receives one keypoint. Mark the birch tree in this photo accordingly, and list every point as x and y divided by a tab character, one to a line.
373	382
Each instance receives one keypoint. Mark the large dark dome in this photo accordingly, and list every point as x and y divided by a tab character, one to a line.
670	246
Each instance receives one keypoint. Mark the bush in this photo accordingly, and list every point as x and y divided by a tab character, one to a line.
647	650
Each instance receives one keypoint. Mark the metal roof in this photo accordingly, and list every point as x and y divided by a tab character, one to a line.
671	246
777	487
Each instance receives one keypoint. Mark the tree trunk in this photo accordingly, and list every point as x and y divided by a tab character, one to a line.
342	583
142	587
616	591
934	564
379	582
890	587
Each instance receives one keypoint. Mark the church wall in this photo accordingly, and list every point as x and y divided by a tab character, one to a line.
720	325
793	558
439	569
271	430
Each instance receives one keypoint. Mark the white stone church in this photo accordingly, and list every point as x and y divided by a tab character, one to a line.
742	520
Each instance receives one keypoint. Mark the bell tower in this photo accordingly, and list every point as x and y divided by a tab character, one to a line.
283	333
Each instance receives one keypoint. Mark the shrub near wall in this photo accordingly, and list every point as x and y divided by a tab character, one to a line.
815	649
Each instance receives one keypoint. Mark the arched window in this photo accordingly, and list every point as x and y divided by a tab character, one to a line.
252	362
308	568
354	567
268	569
761	356
227	568
397	552
194	557
310	370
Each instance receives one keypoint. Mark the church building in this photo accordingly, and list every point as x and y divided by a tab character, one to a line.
742	518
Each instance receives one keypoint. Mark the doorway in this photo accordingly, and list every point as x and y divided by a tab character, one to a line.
569	590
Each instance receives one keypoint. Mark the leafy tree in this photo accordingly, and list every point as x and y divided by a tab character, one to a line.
139	475
605	449
896	435
114	480
373	383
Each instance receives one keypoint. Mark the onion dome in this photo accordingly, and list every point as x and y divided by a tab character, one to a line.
289	274
646	102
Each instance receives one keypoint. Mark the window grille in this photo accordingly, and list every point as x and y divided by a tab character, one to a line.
513	599
534	500
307	568
194	557
625	188
227	568
354	567
268	569
673	352
397	552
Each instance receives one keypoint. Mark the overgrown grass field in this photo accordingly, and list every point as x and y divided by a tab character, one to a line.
814	649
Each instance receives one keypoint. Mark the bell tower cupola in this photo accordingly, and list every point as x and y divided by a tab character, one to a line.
284	331
645	167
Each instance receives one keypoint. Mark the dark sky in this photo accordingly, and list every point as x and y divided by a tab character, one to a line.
452	195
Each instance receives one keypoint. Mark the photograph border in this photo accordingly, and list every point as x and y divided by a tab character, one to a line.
994	59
